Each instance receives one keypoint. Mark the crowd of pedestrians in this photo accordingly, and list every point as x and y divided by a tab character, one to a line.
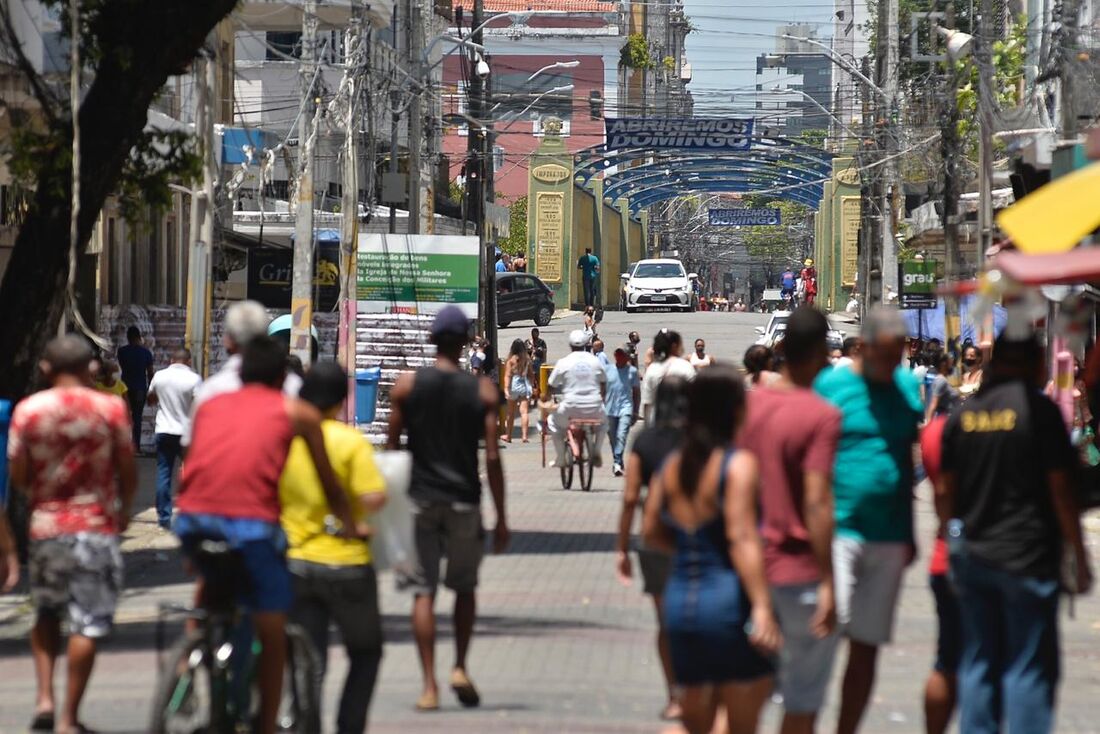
779	523
776	504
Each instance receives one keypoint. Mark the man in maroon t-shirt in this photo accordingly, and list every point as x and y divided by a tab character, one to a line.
794	435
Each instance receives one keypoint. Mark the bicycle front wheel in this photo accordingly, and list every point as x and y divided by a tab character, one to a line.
184	700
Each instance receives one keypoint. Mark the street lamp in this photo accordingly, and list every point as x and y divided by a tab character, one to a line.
841	62
556	90
958	43
815	103
556	65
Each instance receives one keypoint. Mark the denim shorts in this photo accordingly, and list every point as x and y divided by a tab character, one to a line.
262	549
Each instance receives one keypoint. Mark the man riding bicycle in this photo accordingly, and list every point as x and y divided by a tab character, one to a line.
229	492
788	284
580	381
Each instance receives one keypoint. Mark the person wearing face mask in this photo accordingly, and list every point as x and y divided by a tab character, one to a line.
972	371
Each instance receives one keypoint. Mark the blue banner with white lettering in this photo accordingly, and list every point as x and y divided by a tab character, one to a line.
744	217
688	133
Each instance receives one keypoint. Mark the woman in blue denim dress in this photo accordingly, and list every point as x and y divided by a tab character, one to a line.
718	612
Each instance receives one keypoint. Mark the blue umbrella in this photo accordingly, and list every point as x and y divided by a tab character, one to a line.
284	322
929	323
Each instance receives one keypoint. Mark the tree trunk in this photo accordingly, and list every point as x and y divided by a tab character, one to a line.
141	44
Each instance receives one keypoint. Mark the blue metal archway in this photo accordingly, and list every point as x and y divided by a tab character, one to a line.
778	167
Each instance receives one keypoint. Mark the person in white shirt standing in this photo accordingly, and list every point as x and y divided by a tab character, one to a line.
581	382
172	391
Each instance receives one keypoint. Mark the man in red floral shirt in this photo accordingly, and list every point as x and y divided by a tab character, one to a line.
70	450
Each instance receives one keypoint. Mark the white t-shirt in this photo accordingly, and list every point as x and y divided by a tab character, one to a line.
578	376
175	386
677	366
699	362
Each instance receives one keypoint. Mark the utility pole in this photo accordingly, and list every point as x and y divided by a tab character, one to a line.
475	172
869	199
1070	13
983	53
301	289
349	204
199	258
416	115
949	139
890	174
489	193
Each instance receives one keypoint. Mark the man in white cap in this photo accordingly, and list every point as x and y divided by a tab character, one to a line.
581	382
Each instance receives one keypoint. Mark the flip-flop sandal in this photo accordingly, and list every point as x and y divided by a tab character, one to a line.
42	722
428	702
464	689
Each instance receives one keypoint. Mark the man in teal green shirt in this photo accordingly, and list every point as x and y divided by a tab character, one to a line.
589	265
873	489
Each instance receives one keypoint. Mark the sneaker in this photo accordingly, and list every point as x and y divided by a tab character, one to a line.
617	470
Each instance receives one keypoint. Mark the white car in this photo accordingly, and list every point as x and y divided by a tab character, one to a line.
658	284
773	333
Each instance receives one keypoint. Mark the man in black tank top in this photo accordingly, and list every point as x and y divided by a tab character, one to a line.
445	412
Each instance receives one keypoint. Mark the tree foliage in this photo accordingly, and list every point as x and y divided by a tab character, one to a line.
635	53
775	247
516	241
129	49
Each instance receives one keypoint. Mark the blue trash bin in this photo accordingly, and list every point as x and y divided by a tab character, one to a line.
5	421
366	394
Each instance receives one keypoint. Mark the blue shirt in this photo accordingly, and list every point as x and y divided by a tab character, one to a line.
589	265
621	383
501	268
135	361
873	480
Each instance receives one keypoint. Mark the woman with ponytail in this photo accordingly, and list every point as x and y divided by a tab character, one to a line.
668	347
717	608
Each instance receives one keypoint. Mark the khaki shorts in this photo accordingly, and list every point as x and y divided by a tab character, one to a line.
867	577
451	531
79	576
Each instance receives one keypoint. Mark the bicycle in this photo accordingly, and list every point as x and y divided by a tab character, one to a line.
207	684
581	440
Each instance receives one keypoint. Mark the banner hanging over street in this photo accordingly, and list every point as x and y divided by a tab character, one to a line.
744	217
689	133
416	274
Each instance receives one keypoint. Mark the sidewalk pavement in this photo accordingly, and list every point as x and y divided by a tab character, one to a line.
560	645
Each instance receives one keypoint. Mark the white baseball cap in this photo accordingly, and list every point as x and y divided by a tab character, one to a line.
578	338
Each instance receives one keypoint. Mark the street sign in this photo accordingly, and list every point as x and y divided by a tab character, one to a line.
688	133
918	284
744	217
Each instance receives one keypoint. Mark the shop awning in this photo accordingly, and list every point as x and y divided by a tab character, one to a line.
1080	265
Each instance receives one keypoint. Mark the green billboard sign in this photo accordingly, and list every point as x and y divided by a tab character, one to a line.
918	284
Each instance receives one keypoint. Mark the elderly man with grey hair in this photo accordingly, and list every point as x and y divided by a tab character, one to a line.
873	489
244	321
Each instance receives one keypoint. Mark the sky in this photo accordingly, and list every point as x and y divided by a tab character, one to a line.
730	36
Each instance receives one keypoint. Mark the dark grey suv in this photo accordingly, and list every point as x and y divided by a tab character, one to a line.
523	297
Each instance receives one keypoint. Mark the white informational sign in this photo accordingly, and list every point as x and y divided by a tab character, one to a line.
416	274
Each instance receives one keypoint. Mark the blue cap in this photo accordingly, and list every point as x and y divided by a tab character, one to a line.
451	321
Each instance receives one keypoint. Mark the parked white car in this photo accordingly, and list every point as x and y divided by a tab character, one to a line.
659	283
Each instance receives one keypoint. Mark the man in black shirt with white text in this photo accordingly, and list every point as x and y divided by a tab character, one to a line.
1006	499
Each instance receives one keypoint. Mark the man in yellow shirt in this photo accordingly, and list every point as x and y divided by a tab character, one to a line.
333	579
